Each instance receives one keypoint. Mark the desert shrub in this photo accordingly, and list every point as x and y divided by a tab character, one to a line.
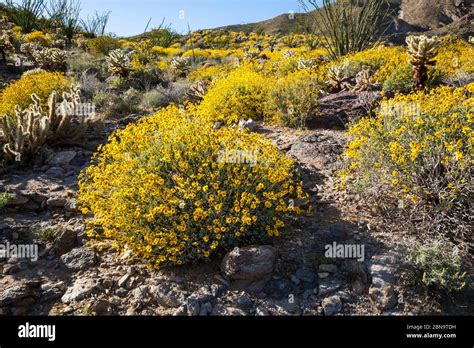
208	72
82	61
173	190
174	93
381	59
239	95
436	265
103	45
454	56
145	77
40	38
418	151
166	51
117	105
292	99
401	80
90	84
5	198
41	84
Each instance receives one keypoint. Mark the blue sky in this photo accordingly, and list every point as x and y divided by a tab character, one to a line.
129	17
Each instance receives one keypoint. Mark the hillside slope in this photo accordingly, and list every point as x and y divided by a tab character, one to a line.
439	16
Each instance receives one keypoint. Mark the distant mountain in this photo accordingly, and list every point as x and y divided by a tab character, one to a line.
434	16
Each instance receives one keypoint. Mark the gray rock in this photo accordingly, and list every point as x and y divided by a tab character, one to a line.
329	286
261	312
64	243
327	268
123	281
79	259
101	307
14	294
279	288
181	311
248	125
55	172
79	290
221	310
62	158
244	302
168	294
332	305
193	307
306	275
56	202
249	263
206	309
382	292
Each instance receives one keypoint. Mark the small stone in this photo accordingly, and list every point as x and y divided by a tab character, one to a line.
295	279
358	287
55	172
79	259
56	202
206	309
79	290
327	268
181	311
193	307
323	275
244	302
64	243
306	275
101	307
329	286
123	281
62	159
261	312
169	295
332	305
13	294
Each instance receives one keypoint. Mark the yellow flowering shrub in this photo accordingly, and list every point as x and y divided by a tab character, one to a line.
38	37
42	84
166	51
455	56
173	190
209	72
207	53
293	99
418	149
239	95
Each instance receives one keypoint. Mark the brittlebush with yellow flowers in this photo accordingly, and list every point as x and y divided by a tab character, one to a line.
418	150
174	191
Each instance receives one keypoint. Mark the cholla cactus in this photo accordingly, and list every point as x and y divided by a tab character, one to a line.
251	54
304	63
26	134
180	66
65	123
5	44
197	91
51	59
364	81
422	51
289	54
119	63
337	79
29	49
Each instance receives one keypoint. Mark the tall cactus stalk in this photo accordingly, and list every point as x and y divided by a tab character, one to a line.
422	51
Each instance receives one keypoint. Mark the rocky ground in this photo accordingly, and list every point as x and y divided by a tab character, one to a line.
77	276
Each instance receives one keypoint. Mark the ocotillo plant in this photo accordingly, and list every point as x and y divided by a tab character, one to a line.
348	25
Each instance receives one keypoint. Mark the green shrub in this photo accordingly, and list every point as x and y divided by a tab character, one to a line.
103	44
5	198
436	265
401	80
